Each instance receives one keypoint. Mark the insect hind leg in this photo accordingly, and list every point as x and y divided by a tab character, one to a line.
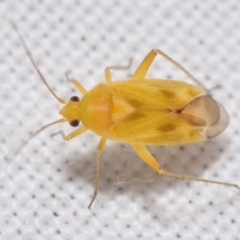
144	66
145	155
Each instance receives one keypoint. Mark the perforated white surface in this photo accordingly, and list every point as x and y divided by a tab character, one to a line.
45	191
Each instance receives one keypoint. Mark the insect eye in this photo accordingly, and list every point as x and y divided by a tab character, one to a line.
74	99
74	123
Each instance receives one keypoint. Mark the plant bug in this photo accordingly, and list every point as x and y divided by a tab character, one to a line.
141	111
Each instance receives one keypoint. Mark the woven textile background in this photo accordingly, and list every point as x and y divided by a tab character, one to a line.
45	190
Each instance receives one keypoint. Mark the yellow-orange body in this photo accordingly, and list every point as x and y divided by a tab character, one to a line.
141	111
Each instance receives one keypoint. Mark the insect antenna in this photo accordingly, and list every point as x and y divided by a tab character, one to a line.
34	63
13	154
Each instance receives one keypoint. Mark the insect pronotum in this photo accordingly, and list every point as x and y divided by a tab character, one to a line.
140	111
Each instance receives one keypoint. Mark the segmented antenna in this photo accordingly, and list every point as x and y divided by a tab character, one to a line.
34	63
13	154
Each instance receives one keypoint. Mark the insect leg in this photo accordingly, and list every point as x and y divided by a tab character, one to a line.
79	86
144	66
108	76
73	134
145	155
147	62
97	176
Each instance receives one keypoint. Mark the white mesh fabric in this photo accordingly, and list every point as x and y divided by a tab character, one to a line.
45	190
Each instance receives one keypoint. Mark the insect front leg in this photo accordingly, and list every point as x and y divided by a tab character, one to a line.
76	84
100	147
73	134
79	86
145	155
108	77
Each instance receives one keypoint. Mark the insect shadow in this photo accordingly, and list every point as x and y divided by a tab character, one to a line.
122	171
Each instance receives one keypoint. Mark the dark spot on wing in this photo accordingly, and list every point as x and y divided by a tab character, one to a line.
135	116
193	134
166	128
167	94
192	92
134	102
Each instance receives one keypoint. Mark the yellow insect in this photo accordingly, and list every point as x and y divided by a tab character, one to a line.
141	111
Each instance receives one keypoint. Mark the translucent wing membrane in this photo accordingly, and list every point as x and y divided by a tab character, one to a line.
207	116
